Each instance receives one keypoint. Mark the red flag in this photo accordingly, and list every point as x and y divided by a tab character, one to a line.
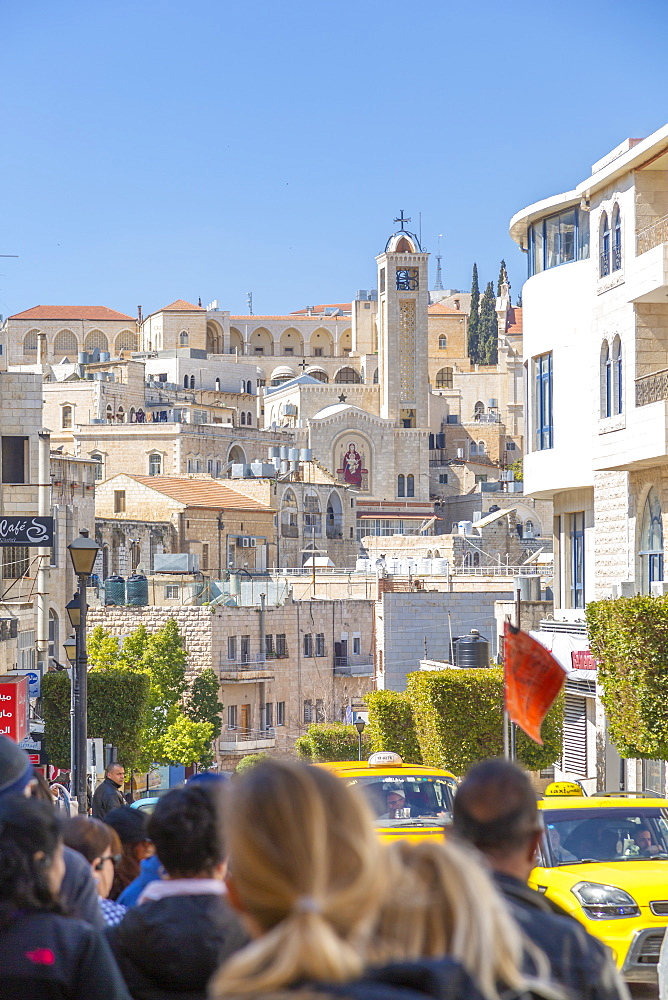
533	679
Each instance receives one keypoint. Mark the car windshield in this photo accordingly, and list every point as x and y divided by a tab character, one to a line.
632	833
408	799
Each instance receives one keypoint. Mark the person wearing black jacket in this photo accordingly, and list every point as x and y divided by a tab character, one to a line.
44	954
109	793
172	942
495	810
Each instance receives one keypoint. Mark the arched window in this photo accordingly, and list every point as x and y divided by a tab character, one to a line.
132	414
192	381
126	341
604	246
98	471
606	381
154	465
110	413
183	338
473	448
217	385
249	419
65	343
96	340
616	239
186	381
617	378
347	375
30	341
249	387
401	486
66	417
410	486
375	377
481	447
444	378
478	410
243	417
442	342
651	542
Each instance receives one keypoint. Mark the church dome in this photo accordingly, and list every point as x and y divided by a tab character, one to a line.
329	411
403	242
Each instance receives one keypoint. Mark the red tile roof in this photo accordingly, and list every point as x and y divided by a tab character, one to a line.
438	308
95	313
514	320
200	492
182	306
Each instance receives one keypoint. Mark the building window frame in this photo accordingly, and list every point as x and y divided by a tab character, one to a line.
577	558
542	408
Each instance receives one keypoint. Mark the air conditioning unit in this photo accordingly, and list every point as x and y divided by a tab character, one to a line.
252	542
245	542
289	409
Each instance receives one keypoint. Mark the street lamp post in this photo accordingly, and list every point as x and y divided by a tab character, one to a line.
83	552
71	646
359	726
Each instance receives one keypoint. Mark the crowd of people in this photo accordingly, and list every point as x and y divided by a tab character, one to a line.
275	886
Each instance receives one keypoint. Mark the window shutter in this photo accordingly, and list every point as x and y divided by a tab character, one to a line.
575	736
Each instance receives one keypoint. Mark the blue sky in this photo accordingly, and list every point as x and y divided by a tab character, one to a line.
158	149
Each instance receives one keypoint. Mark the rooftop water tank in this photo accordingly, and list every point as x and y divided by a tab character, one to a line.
114	590
472	650
136	590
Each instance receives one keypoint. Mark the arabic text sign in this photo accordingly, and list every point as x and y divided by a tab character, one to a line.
14	708
26	531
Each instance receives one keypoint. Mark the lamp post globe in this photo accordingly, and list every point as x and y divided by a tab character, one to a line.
83	553
70	647
73	609
359	726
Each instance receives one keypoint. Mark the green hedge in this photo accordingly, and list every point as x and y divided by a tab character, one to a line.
459	720
117	708
331	741
249	761
391	724
629	640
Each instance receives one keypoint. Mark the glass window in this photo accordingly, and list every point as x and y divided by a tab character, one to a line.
308	711
606	381
651	542
154	465
542	409
15	561
66	421
558	239
119	501
269	715
552	241
410	486
401	486
231	716
281	644
308	644
231	647
604	246
444	378
616	239
98	471
14	458
442	343
280	713
320	644
618	376
577	538
567	236
357	645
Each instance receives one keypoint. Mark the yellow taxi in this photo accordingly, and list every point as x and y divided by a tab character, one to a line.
604	859
409	801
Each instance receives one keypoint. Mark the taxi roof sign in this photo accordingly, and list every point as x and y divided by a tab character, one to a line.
385	758
564	788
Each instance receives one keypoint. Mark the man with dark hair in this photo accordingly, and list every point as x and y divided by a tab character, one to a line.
109	793
182	928
495	810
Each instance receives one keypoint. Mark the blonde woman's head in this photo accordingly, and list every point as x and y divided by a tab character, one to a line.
305	871
440	901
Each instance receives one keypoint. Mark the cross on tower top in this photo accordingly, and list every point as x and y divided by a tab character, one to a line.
402	220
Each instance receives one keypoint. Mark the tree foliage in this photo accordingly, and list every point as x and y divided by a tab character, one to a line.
517	469
474	316
324	741
249	761
184	742
391	724
488	328
117	704
629	640
503	277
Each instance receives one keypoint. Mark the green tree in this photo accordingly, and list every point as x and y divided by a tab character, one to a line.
331	741
488	328
503	277
517	469
391	725
102	648
184	742
249	761
474	316
203	706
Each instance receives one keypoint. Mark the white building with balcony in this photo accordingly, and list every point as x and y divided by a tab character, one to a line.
596	351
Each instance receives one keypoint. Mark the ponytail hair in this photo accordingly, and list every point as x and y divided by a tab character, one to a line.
305	867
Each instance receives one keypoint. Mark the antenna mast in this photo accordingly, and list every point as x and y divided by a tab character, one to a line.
438	285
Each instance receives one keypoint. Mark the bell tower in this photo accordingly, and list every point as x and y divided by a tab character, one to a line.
403	298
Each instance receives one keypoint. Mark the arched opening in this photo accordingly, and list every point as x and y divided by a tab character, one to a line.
616	239
249	419
346	343
186	381
66	417
291	342
310	551
375	377
606	380
481	447
261	342
478	410
651	542
334	516
184	339
317	373
321	343
281	374
617	378
110	413
133	414
401	485
214	339
347	376
120	415
410	485
312	515
442	342
65	342
289	516
98	471
604	246
404	246
96	340
105	562
30	341
236	341
192	381
126	341
444	378
217	385
243	417
54	634
236	455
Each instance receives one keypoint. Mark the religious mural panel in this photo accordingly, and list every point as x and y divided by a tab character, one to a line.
353	467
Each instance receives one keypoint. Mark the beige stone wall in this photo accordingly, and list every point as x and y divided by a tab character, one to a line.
116	332
160	331
651	338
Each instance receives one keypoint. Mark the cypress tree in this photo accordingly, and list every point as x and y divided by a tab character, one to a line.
488	328
503	276
474	318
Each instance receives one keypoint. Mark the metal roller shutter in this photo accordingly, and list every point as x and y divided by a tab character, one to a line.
575	736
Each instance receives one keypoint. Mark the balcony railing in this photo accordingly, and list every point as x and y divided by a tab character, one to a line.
245	661
652	236
247	740
652	388
353	666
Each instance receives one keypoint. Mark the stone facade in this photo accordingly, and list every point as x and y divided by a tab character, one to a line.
64	331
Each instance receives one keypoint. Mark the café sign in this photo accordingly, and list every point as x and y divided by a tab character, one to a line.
26	531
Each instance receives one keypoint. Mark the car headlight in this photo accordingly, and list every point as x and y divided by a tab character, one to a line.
604	901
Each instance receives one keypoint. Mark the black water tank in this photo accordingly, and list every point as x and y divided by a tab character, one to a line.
472	650
136	590
114	590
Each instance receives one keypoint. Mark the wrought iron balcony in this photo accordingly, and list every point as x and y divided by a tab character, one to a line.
652	388
353	666
652	236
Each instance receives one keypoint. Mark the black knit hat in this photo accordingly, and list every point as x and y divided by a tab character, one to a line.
130	824
15	767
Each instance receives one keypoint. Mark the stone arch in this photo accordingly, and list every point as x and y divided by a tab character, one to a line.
96	340
261	342
334	516
346	342
184	339
236	341
321	341
214	338
126	340
444	378
30	341
237	455
347	375
356	471
289	515
650	540
65	342
317	373
291	342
